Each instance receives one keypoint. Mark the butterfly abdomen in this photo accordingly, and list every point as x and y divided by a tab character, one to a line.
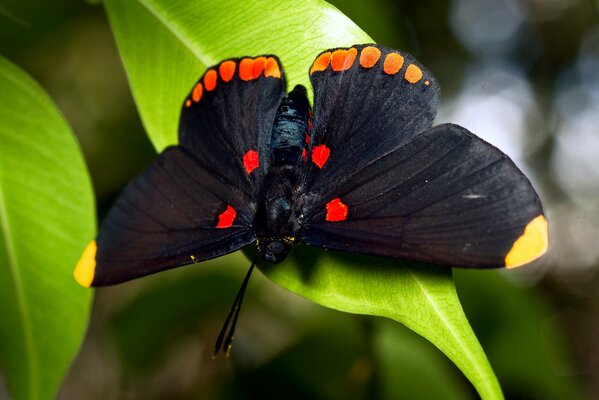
276	220
289	129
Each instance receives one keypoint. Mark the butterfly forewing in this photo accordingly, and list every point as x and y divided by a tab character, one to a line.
367	100
227	118
197	200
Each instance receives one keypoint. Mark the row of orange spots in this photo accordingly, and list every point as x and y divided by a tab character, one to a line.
393	63
249	69
343	59
251	161
336	210
252	68
226	218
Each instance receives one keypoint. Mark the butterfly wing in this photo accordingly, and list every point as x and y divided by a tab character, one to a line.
368	99
396	188
197	200
227	118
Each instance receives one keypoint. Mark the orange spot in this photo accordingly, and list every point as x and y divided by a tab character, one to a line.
258	67
251	161
369	56
198	90
320	155
227	70
321	63
427	83
531	245
187	103
304	154
336	210
246	67
210	80
413	73
86	267
342	60
272	68
393	63
226	218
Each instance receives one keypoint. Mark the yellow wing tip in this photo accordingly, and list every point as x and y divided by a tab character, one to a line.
86	267
532	244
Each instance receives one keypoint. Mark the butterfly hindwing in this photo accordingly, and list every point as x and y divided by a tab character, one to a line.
445	197
174	213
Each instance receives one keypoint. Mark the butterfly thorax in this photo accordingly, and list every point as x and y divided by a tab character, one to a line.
278	220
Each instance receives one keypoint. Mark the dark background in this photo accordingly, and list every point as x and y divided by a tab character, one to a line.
523	75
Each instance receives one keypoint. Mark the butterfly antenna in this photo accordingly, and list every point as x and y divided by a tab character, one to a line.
224	341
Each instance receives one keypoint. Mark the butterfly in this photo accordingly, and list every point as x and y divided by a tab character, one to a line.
362	171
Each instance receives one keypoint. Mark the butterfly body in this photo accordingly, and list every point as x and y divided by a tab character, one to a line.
279	217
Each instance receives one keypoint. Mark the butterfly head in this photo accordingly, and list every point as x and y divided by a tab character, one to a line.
274	249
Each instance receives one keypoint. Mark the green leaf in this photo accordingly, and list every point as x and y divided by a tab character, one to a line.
408	365
422	297
166	46
46	217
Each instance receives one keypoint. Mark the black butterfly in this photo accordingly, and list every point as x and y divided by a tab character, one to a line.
364	173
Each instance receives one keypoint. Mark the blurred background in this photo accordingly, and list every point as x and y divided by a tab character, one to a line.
523	75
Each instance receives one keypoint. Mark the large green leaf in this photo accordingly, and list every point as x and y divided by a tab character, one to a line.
46	216
165	46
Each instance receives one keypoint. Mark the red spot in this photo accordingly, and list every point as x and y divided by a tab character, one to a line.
304	154
251	161
321	63
272	68
342	60
320	155
210	80
227	70
246	67
336	210
198	90
310	124
258	67
307	138
369	56
226	218
393	63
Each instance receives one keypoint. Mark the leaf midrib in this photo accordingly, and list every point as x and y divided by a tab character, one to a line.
449	326
20	295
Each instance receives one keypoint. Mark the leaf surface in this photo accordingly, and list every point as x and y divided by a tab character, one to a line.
46	218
